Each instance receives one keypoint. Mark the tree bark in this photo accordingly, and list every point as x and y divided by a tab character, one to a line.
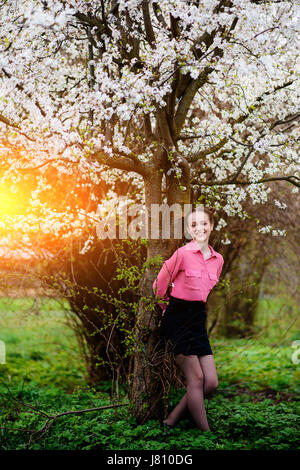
146	392
242	300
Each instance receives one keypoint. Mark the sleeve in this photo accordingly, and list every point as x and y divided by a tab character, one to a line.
165	277
220	267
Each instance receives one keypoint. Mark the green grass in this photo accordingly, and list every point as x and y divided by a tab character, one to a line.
256	366
39	348
255	407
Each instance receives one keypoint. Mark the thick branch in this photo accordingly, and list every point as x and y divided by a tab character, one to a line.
188	97
147	22
15	126
194	157
289	178
238	172
21	88
128	163
259	101
287	120
92	21
159	15
246	183
241	119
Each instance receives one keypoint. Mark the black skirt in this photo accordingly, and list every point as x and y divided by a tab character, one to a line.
183	328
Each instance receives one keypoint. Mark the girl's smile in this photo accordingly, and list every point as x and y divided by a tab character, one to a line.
199	226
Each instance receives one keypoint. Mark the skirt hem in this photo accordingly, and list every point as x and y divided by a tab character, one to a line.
183	328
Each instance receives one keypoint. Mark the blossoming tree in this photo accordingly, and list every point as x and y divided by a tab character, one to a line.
196	100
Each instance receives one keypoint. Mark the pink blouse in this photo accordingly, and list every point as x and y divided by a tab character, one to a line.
191	276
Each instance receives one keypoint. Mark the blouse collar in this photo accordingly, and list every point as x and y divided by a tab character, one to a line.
194	248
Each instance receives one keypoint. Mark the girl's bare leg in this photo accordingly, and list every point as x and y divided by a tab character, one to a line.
178	412
192	371
210	383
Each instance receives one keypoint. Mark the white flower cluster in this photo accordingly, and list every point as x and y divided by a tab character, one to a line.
226	240
279	204
129	4
55	16
263	145
279	233
48	93
222	223
87	245
265	229
272	231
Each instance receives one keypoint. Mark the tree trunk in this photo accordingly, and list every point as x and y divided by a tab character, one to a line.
146	386
147	390
242	299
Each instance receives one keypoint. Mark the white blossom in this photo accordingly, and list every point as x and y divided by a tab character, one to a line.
246	94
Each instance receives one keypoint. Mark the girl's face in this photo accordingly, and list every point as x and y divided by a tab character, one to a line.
199	226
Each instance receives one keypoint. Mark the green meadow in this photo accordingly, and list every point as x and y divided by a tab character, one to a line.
256	405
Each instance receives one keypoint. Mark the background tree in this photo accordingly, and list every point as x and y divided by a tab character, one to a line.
60	255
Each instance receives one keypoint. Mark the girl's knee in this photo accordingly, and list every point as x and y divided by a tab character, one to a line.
196	381
211	384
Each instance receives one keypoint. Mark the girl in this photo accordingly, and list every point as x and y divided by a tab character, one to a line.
191	273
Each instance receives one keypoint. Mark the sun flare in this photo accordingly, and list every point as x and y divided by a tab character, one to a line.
11	201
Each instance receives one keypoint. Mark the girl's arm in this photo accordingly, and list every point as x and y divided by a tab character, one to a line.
165	276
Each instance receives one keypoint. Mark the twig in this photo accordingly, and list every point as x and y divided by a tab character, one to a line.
51	419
